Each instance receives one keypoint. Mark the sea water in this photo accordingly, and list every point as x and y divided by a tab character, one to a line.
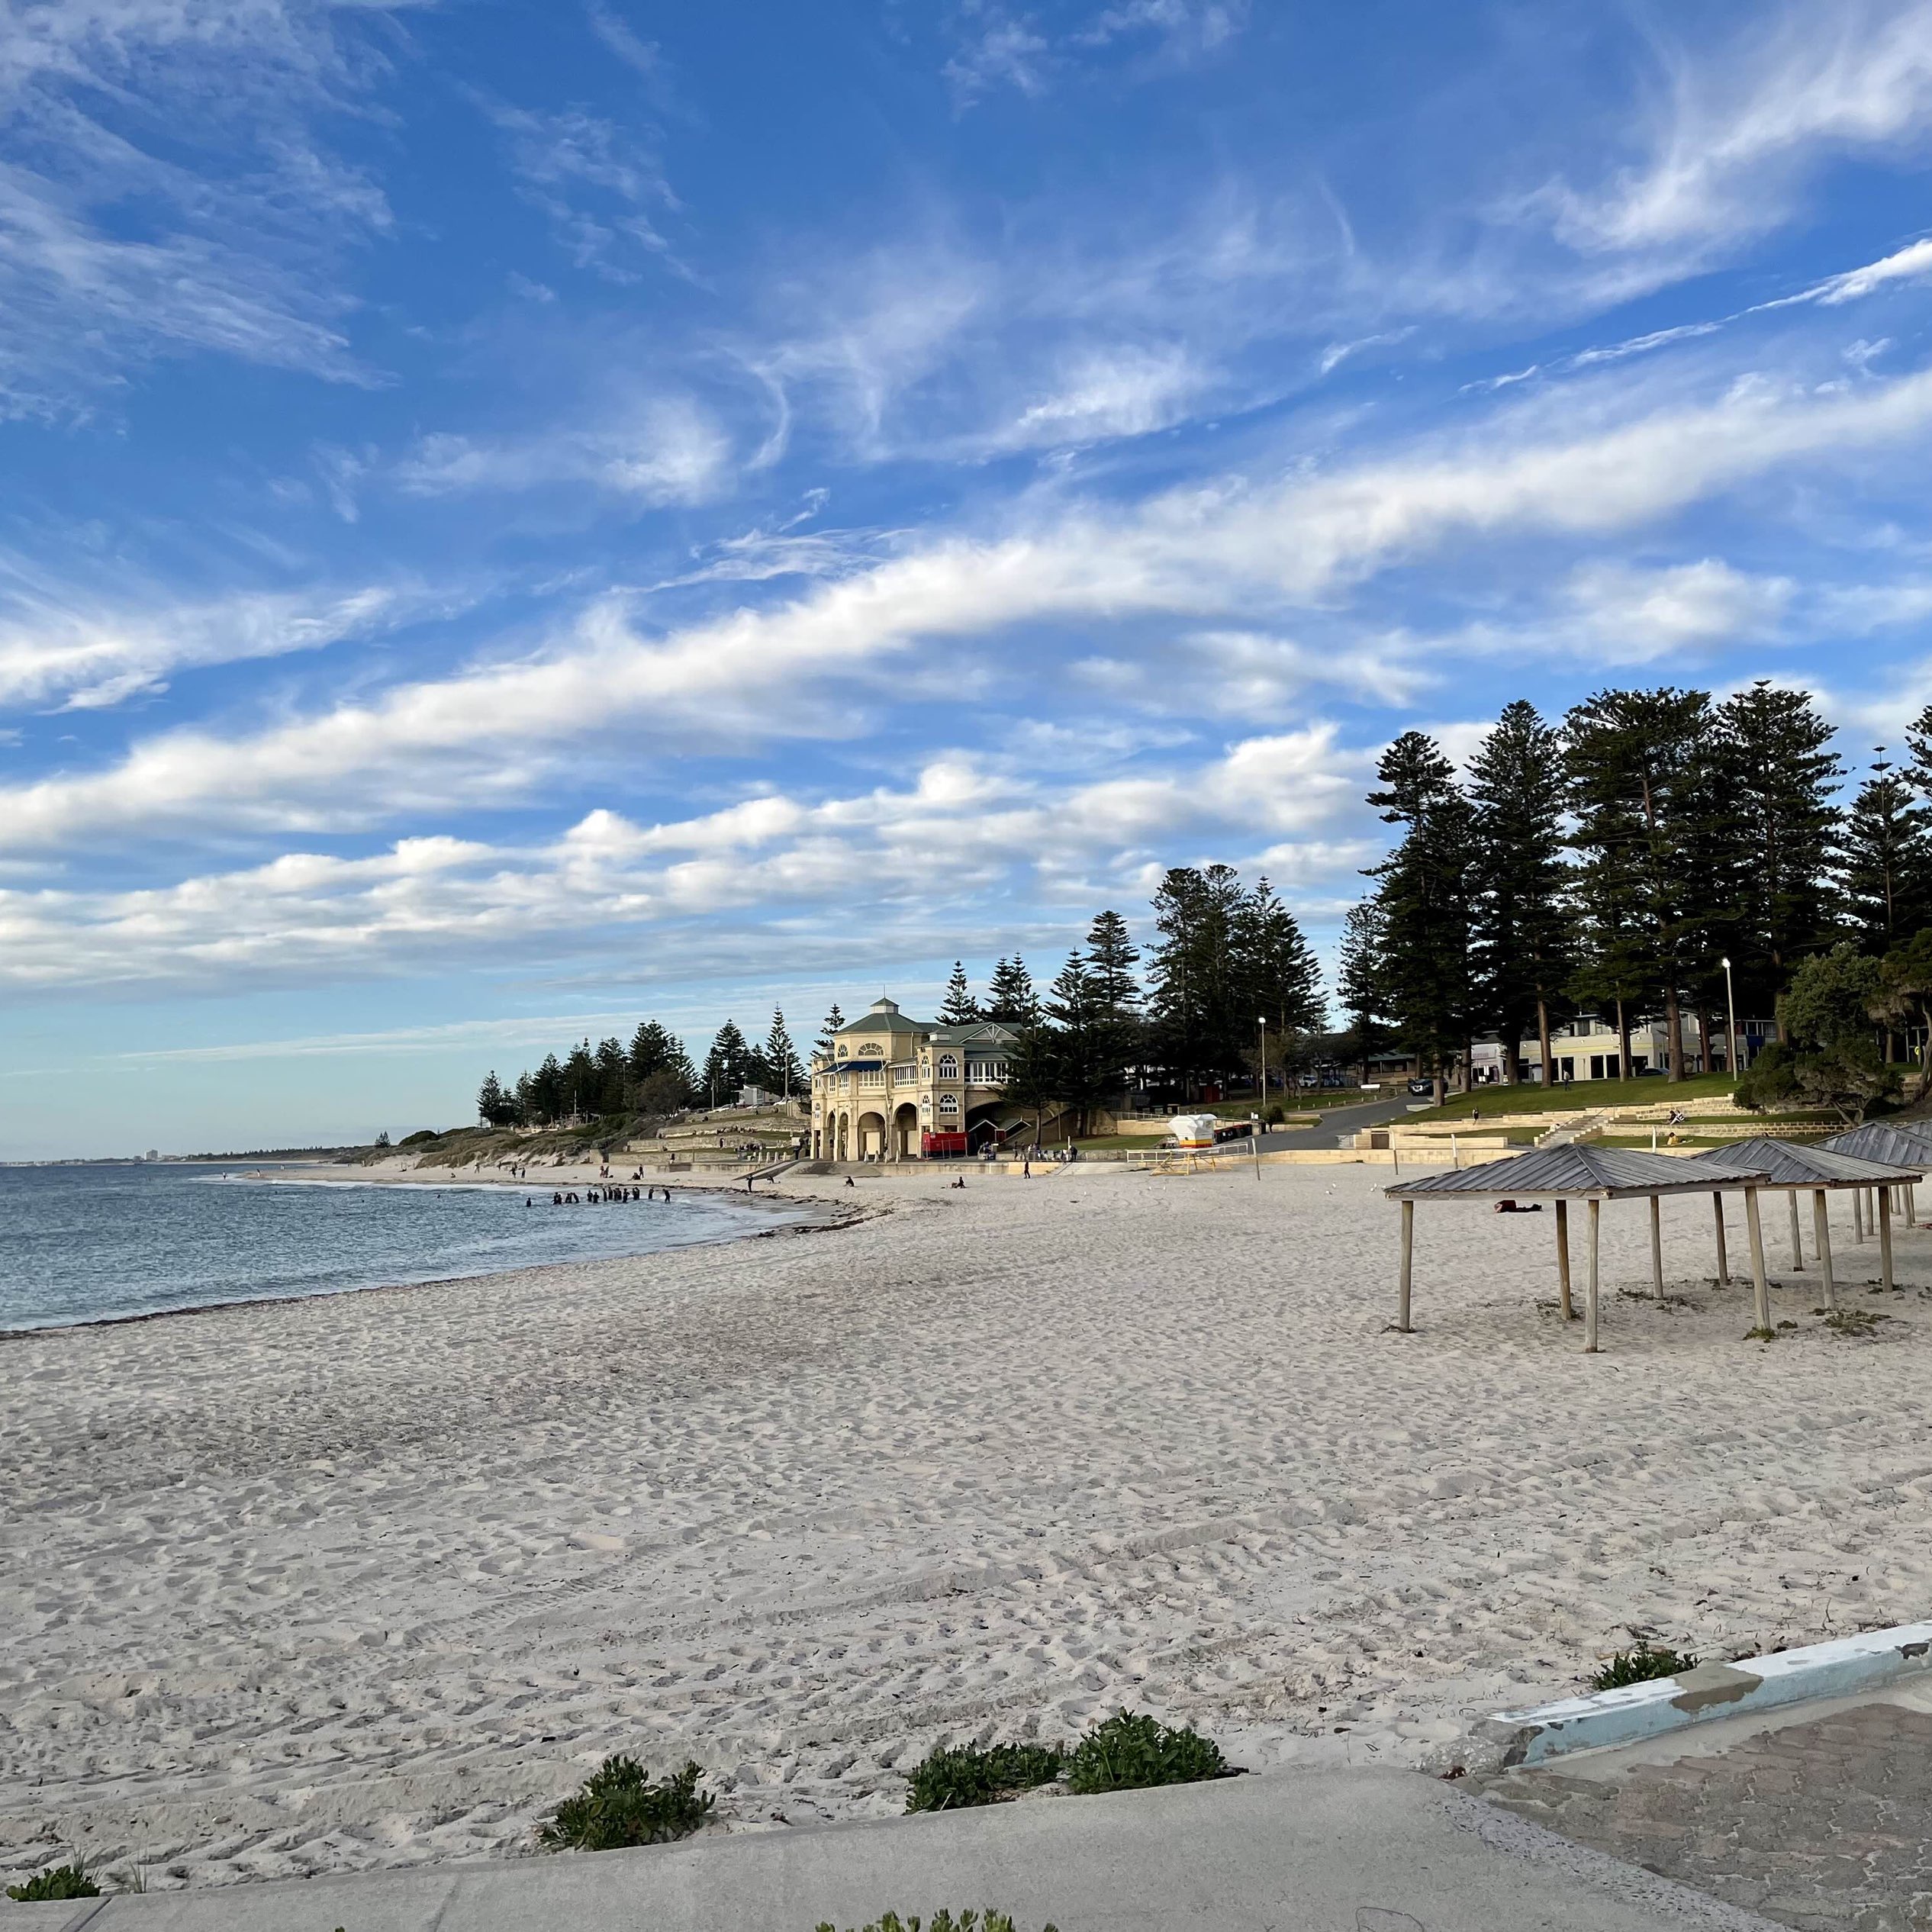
95	1243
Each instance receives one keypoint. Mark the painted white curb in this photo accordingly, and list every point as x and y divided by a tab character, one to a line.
1841	1668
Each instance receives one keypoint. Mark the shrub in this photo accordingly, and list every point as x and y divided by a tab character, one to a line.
941	1921
619	1806
57	1882
417	1138
949	1781
1128	1753
1640	1665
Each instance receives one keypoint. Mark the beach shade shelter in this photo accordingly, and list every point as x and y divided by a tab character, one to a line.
1897	1146
1593	1175
1821	1170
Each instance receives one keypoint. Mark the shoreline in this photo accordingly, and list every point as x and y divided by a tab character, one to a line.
830	1221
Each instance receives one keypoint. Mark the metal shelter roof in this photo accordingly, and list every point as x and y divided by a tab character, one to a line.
1878	1140
1612	1173
1791	1164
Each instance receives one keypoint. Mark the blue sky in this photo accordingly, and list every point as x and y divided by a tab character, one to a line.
516	518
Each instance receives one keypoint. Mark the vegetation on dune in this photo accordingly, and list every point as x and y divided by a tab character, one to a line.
1640	1665
951	1780
619	1806
1130	1752
57	1882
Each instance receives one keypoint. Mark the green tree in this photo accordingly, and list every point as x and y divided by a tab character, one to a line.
1635	762
779	1058
1826	1014
1885	861
1010	996
828	1030
1427	970
1084	1074
1526	947
1779	778
612	1077
1195	1001
494	1108
959	1008
1033	1072
652	1049
1905	994
1276	974
727	1067
1358	984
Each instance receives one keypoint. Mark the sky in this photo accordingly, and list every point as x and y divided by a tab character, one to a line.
516	518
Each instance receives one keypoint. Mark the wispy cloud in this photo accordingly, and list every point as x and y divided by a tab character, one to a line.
1207	554
69	648
602	186
202	115
669	449
1738	129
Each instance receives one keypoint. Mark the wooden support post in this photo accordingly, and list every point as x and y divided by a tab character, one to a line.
1755	1229
1657	1246
1590	1289
1911	1205
1797	1243
1858	1213
1821	1233
1723	1260
1407	1256
1885	1236
1563	1260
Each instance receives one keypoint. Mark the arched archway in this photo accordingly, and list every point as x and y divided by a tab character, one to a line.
844	1137
905	1132
870	1137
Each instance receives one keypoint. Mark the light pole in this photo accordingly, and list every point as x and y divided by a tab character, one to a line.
1730	1014
1262	1022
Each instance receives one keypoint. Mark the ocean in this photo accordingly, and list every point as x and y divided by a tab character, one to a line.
93	1243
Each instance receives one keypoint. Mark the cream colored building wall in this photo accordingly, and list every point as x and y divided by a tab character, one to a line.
925	1085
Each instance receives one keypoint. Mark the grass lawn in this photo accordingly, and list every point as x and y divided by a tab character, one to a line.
1579	1096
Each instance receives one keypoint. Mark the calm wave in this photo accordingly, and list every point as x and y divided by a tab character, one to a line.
88	1244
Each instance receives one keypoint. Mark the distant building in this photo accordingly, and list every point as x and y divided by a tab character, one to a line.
897	1089
1589	1048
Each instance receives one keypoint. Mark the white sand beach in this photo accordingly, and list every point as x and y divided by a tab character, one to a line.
372	1578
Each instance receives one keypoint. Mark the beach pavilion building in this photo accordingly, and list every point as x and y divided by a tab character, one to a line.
894	1088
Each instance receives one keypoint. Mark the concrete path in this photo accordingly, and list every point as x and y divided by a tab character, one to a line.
1353	1851
1819	1815
1338	1125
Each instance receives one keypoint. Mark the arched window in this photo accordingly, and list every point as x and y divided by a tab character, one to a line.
948	1103
949	1066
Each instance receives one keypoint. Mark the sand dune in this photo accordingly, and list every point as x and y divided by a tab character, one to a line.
371	1579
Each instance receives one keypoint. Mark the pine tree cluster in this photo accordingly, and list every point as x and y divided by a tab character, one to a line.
1610	864
654	1075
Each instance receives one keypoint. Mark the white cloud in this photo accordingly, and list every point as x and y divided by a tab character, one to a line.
923	850
244	214
599	183
669	449
1634	615
1104	394
1739	126
1208	553
71	650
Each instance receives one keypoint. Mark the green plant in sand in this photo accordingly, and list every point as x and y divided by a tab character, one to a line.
618	1805
1640	1665
57	1882
950	1781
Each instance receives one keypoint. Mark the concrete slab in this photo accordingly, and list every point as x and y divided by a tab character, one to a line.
1358	1851
1847	1667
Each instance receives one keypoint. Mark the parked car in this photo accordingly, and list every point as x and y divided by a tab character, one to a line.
1422	1087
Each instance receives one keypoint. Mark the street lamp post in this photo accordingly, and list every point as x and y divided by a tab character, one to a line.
1262	1086
1731	1015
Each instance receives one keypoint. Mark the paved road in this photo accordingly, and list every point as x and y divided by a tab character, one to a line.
1338	1122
